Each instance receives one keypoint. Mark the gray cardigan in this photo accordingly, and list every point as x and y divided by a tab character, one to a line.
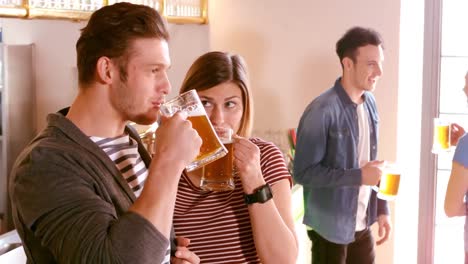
70	202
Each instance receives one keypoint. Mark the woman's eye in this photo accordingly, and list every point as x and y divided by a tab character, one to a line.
230	104
206	103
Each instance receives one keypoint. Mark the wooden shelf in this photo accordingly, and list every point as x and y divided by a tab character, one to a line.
20	12
68	10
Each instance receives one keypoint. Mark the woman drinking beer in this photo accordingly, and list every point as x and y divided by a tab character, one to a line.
251	223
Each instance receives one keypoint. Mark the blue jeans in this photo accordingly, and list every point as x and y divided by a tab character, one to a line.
361	251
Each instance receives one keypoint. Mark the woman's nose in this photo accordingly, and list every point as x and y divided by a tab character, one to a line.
217	116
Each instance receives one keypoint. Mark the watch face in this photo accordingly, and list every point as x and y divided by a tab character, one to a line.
264	194
261	195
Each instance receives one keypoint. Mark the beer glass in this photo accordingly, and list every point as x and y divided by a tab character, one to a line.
219	174
389	182
211	148
149	141
147	136
441	141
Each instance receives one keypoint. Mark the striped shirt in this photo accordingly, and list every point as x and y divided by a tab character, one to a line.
218	223
123	151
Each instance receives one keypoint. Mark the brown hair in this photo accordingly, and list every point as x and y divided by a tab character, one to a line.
110	32
355	38
214	68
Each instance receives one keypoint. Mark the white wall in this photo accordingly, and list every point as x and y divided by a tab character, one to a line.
55	58
289	47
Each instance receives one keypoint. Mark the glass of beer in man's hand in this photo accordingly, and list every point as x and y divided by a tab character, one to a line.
389	182
212	148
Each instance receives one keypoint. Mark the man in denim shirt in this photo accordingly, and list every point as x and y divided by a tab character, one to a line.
335	157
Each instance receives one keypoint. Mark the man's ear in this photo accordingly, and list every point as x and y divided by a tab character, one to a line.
104	70
347	63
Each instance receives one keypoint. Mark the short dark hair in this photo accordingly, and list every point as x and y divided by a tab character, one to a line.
216	67
355	38
110	32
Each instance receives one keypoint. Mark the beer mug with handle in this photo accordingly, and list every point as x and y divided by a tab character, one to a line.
441	141
212	148
219	174
389	182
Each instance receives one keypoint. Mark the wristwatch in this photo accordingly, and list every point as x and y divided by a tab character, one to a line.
260	195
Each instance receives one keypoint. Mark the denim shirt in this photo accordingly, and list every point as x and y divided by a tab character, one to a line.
326	163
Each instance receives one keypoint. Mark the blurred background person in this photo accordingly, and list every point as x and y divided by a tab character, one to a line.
336	153
457	188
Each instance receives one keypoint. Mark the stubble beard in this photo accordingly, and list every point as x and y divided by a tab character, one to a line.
371	87
128	105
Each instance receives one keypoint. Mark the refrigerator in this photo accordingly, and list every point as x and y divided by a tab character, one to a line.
17	114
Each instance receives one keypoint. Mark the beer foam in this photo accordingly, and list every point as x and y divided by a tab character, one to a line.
226	141
194	110
191	110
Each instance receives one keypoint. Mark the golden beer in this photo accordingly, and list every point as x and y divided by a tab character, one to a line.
219	174
441	141
442	136
210	144
389	184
